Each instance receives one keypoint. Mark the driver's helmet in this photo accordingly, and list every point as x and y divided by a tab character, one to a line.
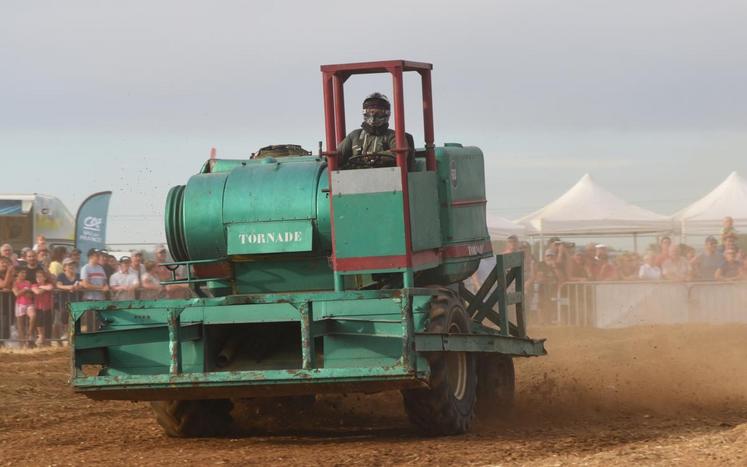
376	109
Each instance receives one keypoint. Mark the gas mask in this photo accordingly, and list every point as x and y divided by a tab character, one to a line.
376	117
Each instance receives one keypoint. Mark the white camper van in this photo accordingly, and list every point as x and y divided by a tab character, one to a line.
23	217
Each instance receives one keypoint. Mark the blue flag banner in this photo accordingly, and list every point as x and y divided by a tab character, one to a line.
90	223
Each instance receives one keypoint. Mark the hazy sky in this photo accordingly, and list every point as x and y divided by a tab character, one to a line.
647	96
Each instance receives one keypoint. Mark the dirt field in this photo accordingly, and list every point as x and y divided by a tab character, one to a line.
653	396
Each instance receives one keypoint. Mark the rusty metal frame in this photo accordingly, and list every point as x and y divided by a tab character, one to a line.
509	269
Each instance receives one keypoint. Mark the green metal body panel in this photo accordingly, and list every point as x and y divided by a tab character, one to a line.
461	175
425	218
232	201
282	275
369	224
271	190
202	212
289	344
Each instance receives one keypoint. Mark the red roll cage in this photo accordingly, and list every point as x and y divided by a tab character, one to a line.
333	79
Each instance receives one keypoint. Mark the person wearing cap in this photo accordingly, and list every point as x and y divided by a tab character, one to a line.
137	265
125	282
93	279
104	263
360	147
707	263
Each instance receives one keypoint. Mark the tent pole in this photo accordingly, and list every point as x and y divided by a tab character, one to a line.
635	243
542	243
683	232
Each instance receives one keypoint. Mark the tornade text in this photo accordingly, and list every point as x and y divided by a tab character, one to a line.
270	237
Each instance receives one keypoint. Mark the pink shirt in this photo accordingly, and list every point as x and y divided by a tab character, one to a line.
24	298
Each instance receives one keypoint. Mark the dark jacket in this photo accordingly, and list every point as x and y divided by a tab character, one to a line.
359	142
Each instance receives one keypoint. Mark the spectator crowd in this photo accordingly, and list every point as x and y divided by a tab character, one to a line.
38	283
721	259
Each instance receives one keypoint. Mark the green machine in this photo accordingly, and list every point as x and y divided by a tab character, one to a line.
312	279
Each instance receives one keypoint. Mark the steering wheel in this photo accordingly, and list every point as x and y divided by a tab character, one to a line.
368	161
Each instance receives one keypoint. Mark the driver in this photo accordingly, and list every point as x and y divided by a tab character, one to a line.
374	137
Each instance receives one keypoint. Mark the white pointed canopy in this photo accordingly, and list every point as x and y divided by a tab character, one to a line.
705	216
589	209
500	227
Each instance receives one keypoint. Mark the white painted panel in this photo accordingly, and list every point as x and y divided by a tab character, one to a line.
360	181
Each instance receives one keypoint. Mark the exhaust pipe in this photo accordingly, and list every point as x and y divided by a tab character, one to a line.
227	354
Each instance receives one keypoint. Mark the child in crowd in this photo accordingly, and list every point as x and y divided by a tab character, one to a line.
25	313
728	229
42	304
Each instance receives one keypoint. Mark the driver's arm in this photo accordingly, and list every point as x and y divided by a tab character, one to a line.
410	145
344	151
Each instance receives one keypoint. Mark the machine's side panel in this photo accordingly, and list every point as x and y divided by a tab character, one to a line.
424	210
461	176
368	214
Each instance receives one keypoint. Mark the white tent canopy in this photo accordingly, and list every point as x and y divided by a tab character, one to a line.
500	228
589	209
705	216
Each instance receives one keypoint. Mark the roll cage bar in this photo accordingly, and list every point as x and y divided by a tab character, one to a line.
333	80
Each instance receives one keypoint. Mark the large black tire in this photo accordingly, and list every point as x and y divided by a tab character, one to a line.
495	386
194	418
447	407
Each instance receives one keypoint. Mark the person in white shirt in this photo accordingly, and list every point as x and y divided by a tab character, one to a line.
124	282
649	271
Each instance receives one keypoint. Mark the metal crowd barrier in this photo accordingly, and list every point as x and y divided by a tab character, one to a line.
7	314
60	300
622	304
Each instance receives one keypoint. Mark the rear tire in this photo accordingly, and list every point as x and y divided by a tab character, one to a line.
495	386
447	407
194	418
